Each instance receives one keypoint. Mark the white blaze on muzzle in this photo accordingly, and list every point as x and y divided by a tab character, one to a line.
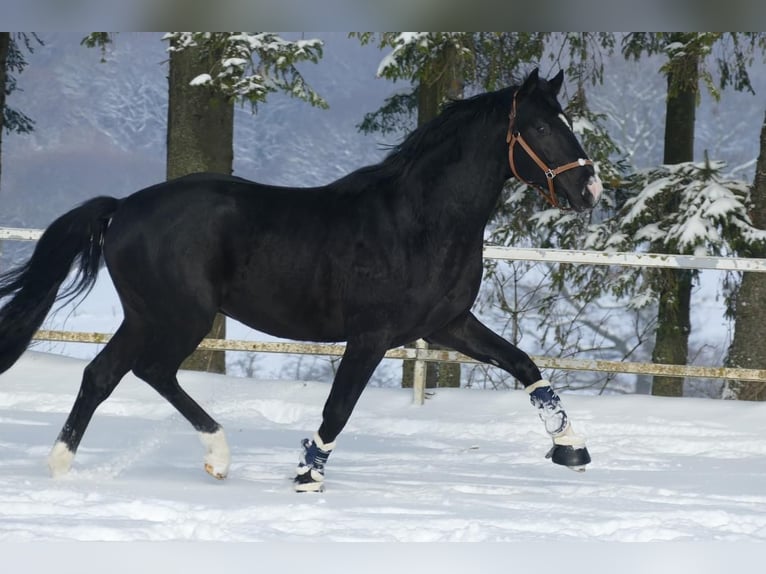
594	187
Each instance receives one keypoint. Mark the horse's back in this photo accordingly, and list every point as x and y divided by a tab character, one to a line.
177	215
303	263
223	243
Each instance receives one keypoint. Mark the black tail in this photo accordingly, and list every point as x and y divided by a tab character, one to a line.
76	236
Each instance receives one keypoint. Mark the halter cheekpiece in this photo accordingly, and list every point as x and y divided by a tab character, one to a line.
514	136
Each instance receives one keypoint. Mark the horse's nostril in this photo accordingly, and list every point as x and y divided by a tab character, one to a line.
594	187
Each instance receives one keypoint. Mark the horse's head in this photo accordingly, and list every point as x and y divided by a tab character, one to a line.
543	149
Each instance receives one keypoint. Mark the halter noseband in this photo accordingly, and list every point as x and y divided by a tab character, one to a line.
514	136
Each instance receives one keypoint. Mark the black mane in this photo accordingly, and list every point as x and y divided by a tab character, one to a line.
451	120
442	129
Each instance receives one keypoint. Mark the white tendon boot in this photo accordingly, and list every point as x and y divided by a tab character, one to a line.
568	448
309	476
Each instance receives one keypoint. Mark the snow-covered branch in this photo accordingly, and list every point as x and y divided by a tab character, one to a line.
249	66
711	216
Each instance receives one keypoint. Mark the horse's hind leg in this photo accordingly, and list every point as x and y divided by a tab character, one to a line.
100	378
158	365
470	337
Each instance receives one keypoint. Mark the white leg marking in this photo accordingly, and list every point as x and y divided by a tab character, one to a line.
60	459
218	456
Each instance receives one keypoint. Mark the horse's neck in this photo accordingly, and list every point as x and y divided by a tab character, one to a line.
466	191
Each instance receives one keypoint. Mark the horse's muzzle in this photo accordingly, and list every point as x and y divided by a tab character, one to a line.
595	188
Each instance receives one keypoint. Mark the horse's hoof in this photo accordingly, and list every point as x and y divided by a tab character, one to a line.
572	457
218	456
217	474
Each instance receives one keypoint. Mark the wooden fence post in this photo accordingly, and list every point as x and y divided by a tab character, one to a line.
419	376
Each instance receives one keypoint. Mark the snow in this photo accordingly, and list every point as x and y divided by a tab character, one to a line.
466	466
201	80
692	231
401	43
581	125
638	205
649	232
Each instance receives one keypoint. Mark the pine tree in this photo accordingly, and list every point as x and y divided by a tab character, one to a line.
12	61
748	347
685	69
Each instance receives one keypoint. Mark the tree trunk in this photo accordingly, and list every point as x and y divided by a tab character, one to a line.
5	44
748	347
675	286
200	138
442	81
673	328
200	122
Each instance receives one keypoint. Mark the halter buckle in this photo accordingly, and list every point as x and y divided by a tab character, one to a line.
549	174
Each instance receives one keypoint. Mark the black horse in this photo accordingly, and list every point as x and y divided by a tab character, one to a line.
384	256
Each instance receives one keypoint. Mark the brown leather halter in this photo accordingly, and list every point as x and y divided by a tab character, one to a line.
514	136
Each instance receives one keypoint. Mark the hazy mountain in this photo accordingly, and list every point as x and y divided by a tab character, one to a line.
100	127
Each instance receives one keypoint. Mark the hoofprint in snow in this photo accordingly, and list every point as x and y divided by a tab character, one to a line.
468	465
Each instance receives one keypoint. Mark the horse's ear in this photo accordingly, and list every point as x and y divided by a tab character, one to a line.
530	84
556	82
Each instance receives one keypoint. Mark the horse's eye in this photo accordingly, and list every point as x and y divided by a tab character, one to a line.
542	129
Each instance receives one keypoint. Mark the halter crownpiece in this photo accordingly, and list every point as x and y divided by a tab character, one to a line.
514	136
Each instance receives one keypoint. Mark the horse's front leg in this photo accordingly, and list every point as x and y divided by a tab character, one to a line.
470	337
356	367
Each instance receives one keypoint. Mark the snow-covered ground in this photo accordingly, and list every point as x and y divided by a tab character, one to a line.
467	466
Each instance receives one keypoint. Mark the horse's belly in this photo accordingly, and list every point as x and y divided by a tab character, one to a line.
288	318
